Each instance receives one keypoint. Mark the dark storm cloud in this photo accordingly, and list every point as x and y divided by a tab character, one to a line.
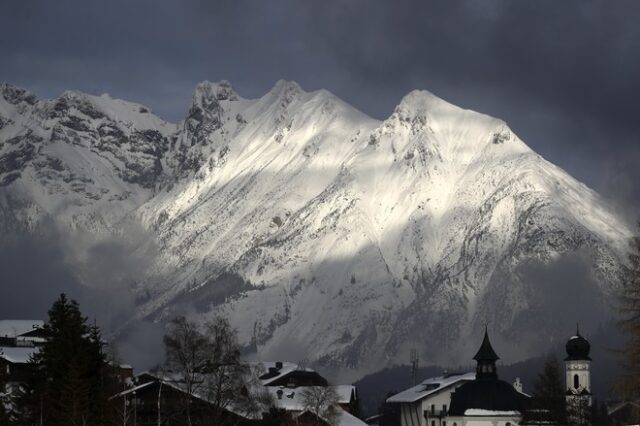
562	74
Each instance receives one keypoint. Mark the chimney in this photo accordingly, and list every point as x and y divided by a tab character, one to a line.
518	385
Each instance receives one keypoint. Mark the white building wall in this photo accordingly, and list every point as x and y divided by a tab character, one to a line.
413	414
484	421
439	400
581	368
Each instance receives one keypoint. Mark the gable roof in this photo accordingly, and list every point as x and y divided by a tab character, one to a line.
174	381
431	386
15	328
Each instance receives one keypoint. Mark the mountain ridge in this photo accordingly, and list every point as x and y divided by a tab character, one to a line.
310	224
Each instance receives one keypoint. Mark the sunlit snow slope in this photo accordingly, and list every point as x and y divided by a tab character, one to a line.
321	233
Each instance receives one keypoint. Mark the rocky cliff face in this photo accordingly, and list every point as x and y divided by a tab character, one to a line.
318	230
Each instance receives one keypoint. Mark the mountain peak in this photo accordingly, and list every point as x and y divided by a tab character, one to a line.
286	85
424	99
207	92
14	94
286	89
427	107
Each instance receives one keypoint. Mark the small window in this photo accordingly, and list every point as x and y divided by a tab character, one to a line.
576	381
433	423
444	423
508	424
455	424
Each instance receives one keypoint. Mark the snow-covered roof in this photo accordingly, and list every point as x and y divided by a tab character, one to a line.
287	368
492	413
344	393
347	419
14	328
131	390
293	398
19	355
431	386
344	418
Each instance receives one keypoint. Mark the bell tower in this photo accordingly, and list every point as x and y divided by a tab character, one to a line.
578	379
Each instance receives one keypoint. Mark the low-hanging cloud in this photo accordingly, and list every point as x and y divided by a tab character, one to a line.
99	273
564	292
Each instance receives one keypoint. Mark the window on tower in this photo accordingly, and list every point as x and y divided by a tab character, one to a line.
576	381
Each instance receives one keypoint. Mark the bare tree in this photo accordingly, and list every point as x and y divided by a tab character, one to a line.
124	412
206	363
321	401
186	353
225	379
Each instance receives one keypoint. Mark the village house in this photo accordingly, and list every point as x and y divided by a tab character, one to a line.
162	400
283	384
19	341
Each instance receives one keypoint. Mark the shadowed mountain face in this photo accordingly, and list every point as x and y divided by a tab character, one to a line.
321	233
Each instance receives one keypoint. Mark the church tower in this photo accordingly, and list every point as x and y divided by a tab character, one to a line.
486	359
578	379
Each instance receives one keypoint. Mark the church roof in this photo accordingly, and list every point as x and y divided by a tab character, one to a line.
432	386
486	352
492	395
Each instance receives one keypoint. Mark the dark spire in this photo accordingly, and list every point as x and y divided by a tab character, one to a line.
486	359
486	352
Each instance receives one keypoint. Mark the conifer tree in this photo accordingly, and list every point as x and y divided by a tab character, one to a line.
67	384
630	382
4	398
549	393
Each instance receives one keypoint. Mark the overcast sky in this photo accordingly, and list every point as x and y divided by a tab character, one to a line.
563	74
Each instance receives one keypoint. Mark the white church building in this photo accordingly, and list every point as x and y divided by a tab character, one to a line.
481	398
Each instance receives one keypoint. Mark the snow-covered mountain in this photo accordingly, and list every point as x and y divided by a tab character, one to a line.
320	232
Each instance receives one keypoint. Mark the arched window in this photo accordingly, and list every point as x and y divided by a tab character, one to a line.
433	423
508	424
455	424
576	381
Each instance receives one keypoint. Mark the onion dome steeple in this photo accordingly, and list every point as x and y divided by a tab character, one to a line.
486	358
578	348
